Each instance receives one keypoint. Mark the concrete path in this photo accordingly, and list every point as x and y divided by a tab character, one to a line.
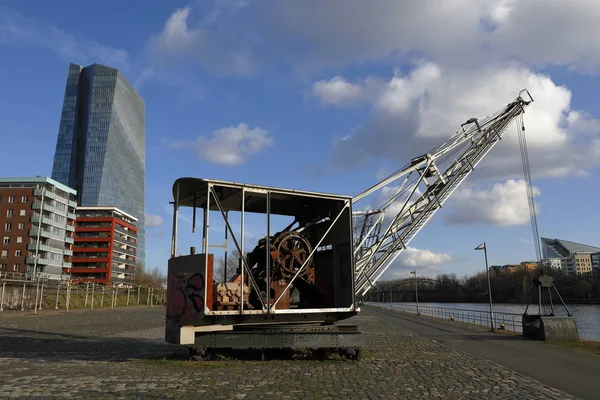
567	369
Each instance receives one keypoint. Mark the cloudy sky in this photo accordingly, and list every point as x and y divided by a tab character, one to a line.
331	96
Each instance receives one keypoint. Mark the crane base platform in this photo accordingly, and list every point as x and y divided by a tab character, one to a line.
343	339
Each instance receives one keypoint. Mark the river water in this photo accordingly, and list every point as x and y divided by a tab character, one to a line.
586	316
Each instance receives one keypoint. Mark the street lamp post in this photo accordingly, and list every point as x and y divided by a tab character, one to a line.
484	248
414	271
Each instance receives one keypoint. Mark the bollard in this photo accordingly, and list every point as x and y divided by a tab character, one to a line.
451	318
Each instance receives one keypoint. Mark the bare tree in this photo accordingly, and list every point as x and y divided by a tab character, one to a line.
233	262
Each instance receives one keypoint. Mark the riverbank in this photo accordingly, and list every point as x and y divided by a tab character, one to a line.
565	368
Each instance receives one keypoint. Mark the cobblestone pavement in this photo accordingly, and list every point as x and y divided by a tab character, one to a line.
121	354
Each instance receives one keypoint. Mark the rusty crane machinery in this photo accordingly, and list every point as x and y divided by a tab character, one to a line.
294	286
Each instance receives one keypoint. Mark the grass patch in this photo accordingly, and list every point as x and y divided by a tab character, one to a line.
588	346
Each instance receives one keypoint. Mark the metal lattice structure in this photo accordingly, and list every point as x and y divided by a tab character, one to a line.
427	182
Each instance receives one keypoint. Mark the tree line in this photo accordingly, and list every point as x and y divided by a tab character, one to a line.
506	288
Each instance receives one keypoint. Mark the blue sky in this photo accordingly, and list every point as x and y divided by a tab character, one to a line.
262	92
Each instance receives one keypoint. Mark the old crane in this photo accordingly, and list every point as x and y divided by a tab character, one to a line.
297	283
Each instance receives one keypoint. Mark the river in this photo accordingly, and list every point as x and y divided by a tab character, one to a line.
586	316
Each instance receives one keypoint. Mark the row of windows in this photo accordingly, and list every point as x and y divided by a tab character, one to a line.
18	253
6	240
8	226
11	199
10	213
16	267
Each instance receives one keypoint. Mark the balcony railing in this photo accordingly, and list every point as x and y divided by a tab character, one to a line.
124	251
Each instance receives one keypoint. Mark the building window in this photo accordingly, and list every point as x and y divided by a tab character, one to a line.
16	267
6	240
22	213
2	266
4	254
9	213
11	199
18	253
21	225
8	226
24	199
19	239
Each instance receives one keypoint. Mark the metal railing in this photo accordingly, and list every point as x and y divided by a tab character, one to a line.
502	320
18	292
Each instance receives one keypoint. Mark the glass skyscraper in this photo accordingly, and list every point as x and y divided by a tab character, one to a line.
101	145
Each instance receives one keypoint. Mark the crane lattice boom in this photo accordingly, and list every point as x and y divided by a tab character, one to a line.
428	182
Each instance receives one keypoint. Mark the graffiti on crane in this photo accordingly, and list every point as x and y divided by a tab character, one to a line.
185	295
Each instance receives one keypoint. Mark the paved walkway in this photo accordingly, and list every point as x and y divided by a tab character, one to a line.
120	353
571	370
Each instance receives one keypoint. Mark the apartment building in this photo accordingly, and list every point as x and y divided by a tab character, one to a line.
577	264
37	217
105	246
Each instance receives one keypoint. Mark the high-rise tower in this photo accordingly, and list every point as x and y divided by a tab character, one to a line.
101	145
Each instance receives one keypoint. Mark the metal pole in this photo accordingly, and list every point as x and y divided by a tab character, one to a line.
102	297
268	254
489	286
148	299
68	299
416	292
39	231
93	286
112	300
138	293
37	289
57	292
41	296
151	297
87	286
2	297
128	290
391	294
23	298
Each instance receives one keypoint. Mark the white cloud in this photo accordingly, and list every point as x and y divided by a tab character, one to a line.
229	146
154	221
505	204
184	39
341	32
412	257
582	122
420	110
15	29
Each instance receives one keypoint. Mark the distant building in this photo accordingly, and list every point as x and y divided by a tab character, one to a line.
105	246
577	264
595	263
553	263
559	248
101	145
575	258
36	222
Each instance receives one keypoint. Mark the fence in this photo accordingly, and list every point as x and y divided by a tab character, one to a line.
19	293
502	320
